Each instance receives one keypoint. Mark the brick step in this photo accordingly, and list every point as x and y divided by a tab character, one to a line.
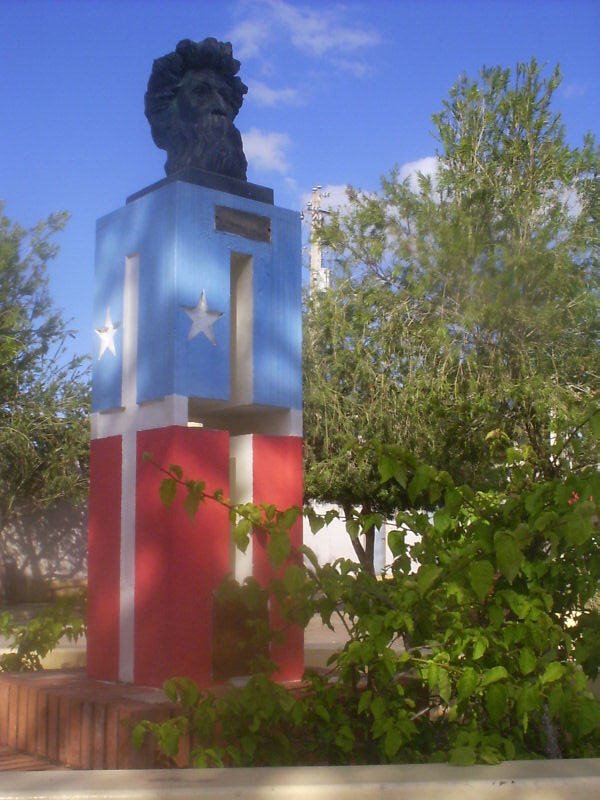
70	719
13	761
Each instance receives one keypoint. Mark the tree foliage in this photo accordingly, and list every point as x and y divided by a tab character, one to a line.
44	434
464	304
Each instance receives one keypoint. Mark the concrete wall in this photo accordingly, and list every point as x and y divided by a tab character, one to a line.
513	780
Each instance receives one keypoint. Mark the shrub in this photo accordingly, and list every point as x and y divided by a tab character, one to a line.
476	646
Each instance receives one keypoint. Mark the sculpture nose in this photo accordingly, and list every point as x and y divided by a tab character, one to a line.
221	105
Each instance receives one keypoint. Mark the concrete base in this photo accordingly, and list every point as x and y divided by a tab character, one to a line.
534	780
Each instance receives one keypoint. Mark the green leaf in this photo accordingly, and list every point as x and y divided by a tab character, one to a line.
293	579
509	556
289	516
588	717
176	470
528	700
546	520
191	504
241	534
278	547
481	576
344	739
391	467
426	577
310	556
170	689
441	520
463	756
595	424
453	500
480	647
578	528
169	734
393	741
495	702
167	491
494	674
315	521
378	708
496	615
553	672
187	691
365	701
420	482
467	684
138	734
444	685
527	660
491	755
556	700
519	604
397	542
195	495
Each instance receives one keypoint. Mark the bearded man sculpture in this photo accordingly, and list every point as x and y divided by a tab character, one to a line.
193	96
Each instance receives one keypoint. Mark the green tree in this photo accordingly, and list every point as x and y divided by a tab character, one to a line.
43	393
463	311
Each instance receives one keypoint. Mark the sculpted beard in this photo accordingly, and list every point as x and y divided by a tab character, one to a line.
212	143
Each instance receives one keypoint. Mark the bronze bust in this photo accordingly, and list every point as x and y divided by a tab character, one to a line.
192	98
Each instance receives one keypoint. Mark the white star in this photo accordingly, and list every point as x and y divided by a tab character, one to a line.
107	335
202	319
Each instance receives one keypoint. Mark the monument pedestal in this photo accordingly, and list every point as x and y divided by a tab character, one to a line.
198	313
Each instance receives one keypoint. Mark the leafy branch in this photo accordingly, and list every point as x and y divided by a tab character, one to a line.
246	518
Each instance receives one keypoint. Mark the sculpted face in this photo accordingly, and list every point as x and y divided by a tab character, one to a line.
204	93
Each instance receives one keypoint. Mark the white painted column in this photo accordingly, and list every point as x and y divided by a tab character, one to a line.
129	471
241	331
241	480
241	484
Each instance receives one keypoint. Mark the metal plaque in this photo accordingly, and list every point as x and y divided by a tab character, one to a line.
242	223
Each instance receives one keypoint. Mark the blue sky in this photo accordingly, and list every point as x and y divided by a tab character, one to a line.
338	93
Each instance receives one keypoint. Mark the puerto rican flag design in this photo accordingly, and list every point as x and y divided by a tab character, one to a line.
198	336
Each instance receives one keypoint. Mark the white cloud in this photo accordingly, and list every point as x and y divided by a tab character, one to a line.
426	166
573	90
353	66
315	32
264	95
291	184
319	31
249	37
266	151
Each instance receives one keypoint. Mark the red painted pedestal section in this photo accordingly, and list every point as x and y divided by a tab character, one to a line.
179	561
277	465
